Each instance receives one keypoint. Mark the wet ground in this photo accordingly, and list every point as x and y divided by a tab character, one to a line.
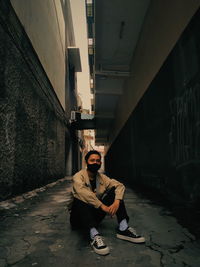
35	231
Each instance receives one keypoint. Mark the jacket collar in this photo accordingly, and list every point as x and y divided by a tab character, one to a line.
99	177
87	179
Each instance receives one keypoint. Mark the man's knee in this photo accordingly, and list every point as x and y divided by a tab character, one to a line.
109	197
77	203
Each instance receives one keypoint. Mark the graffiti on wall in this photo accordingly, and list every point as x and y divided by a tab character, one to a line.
184	136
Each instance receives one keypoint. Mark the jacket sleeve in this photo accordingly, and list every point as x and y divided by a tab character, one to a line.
84	193
119	187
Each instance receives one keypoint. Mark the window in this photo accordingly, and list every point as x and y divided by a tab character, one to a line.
89	10
90	50
90	41
91	83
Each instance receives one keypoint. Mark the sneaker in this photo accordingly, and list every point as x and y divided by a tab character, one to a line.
130	235
99	246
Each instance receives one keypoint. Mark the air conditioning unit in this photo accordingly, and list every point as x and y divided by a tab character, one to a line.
87	116
73	116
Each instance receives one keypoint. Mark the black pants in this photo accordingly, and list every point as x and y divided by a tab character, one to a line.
84	216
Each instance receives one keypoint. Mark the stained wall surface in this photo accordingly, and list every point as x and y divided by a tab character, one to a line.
44	23
34	136
159	147
163	25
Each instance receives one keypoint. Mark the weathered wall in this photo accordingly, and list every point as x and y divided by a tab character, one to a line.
33	132
162	27
159	147
44	23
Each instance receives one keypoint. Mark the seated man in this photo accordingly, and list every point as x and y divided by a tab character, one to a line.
96	195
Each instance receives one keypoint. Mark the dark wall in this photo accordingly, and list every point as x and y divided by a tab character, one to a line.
159	147
33	132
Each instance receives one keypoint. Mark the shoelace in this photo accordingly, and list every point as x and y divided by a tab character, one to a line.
133	231
99	241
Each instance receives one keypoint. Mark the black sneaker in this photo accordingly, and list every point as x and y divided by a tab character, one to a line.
99	246
130	235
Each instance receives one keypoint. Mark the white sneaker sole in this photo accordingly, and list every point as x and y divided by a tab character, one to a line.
131	239
103	251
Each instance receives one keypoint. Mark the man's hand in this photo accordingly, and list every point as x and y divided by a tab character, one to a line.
105	208
114	207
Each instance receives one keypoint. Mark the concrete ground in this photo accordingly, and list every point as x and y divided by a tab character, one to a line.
35	231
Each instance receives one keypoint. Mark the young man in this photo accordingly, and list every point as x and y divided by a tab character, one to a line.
96	195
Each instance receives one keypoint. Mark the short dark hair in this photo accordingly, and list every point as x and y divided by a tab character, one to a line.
90	153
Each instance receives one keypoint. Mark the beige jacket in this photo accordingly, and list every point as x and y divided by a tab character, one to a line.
83	191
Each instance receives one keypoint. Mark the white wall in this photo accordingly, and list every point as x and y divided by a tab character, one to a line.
44	23
80	31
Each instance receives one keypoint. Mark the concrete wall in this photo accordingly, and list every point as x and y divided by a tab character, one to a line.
162	27
34	137
159	146
44	23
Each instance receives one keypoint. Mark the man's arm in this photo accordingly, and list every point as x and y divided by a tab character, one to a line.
119	187
84	193
119	194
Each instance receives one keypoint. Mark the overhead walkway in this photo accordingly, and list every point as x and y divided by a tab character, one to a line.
35	231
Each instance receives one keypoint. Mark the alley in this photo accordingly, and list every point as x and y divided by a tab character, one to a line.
35	231
119	77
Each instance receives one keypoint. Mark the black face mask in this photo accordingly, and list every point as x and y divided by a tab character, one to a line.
93	167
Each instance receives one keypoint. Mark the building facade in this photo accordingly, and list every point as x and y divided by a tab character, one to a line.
37	93
146	70
159	146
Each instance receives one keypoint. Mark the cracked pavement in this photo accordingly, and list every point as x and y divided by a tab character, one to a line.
35	231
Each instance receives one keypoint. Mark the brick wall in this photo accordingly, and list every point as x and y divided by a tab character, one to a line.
33	131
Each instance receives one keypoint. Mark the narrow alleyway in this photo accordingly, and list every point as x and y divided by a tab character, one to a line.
36	232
